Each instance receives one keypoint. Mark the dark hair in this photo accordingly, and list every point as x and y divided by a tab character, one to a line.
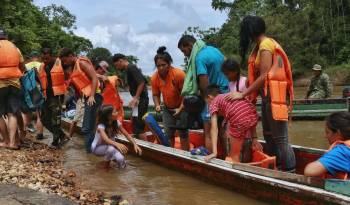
117	57
65	52
164	55
45	51
104	112
251	28
232	66
186	40
213	90
339	121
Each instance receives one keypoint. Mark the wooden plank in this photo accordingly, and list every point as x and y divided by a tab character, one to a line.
290	177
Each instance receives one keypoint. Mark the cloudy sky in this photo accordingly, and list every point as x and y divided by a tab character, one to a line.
139	27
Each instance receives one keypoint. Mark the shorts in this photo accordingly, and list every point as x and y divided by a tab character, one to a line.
10	100
138	125
205	115
79	110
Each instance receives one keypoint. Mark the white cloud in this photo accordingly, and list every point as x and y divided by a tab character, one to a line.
139	27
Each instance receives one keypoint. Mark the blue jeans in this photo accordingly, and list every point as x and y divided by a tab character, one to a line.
89	121
276	137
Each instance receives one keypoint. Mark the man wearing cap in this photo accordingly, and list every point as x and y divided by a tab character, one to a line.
11	68
320	86
109	90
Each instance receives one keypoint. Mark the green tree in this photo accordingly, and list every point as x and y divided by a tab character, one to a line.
31	28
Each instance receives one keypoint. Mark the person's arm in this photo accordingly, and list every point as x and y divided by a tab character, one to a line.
328	87
90	72
131	140
155	93
102	77
156	100
265	65
309	90
255	143
137	75
214	137
314	169
203	84
122	148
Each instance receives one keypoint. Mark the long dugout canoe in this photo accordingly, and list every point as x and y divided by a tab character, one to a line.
267	185
302	109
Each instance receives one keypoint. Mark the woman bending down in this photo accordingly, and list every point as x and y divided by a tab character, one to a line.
104	144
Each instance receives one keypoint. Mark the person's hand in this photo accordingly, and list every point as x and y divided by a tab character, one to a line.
234	96
103	78
133	102
91	100
256	145
122	148
177	112
158	108
209	157
137	149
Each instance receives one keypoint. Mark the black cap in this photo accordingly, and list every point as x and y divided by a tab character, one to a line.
2	33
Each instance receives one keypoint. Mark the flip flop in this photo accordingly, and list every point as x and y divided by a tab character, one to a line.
13	148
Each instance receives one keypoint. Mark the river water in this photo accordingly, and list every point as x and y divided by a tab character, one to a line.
143	182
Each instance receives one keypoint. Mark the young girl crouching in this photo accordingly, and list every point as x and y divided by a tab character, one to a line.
104	144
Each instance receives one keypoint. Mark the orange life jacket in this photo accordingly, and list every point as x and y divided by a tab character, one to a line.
59	86
278	81
9	60
79	79
339	175
111	97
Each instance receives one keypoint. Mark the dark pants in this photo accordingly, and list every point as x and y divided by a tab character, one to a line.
276	137
89	121
51	117
138	125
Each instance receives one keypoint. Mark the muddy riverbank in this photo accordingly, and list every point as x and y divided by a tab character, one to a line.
39	168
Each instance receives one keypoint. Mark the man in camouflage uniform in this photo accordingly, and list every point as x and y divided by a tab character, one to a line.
320	86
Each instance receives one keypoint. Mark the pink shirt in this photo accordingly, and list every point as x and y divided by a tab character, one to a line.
240	114
242	85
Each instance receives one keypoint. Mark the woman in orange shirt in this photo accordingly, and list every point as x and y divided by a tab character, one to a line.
167	82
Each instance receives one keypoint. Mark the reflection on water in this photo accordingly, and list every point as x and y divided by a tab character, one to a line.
305	133
143	182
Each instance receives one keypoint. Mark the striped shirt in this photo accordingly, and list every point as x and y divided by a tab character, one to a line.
240	114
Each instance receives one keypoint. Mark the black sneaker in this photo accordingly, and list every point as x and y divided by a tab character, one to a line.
39	136
55	145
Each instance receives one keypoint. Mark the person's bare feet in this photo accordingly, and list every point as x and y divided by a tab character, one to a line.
3	145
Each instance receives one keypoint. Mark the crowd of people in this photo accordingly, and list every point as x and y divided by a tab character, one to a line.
225	97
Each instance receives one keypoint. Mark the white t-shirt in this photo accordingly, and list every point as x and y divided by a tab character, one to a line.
98	139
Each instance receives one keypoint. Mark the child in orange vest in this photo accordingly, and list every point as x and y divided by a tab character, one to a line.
337	159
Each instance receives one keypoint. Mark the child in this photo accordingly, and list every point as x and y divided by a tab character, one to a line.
104	145
242	119
232	71
337	159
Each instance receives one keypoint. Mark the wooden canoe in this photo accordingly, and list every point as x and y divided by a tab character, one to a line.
302	109
262	184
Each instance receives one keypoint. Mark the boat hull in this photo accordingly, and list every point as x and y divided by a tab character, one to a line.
252	184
